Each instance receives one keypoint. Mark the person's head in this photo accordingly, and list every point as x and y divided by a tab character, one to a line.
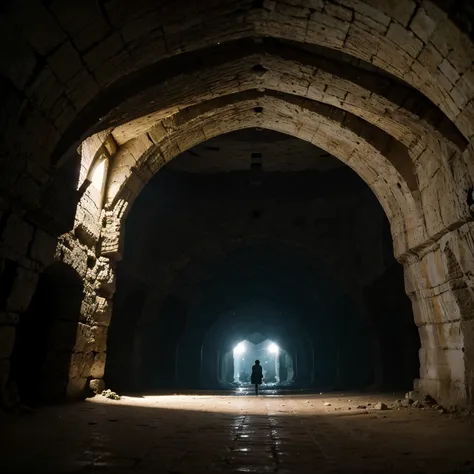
257	362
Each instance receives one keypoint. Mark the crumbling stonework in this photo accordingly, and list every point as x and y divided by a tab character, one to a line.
391	95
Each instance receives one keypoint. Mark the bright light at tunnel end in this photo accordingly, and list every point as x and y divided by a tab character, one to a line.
273	348
239	348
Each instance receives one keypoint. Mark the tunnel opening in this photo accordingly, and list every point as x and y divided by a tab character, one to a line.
46	338
215	273
276	362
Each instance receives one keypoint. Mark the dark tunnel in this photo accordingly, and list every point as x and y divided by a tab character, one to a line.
233	269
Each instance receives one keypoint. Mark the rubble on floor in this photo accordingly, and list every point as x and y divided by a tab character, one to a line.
109	394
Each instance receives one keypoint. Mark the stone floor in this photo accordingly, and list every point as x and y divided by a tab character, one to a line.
215	433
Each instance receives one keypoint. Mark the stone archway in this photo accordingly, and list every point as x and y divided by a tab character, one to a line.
400	214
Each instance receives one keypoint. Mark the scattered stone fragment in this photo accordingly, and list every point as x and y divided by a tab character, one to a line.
327	404
429	401
380	406
361	407
415	396
109	394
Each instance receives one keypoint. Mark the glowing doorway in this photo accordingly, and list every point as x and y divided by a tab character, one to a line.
276	363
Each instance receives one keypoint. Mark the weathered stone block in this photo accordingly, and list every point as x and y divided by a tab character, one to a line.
442	336
105	274
449	72
465	87
400	11
425	21
405	39
81	364
90	338
444	391
338	11
76	388
100	338
357	42
84	338
325	23
445	365
103	312
98	366
74	254
366	10
465	120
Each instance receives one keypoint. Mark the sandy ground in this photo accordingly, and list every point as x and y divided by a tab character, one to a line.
215	433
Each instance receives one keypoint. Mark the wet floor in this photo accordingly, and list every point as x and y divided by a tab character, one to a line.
280	432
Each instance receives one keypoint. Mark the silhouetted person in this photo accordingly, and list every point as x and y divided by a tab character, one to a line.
257	375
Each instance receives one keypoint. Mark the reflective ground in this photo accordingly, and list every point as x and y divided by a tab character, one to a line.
206	432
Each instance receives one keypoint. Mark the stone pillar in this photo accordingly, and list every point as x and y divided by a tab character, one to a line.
441	288
91	340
